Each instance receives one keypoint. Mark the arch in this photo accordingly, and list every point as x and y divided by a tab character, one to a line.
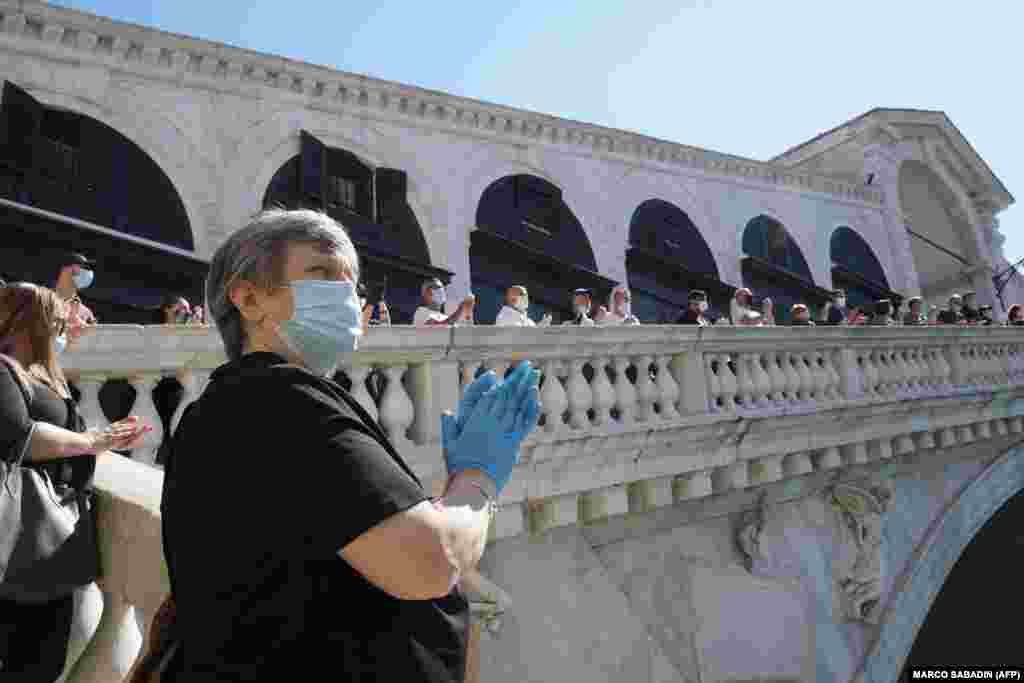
856	268
372	205
527	234
276	140
774	266
667	257
935	558
160	139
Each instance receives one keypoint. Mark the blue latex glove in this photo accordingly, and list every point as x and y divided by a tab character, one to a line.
492	433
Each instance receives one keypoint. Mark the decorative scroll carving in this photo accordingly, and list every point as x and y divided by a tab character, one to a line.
861	508
748	534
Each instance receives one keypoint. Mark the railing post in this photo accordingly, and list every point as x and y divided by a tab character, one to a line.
851	381
957	366
690	374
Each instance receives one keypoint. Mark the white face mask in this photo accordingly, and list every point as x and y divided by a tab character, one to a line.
841	303
702	306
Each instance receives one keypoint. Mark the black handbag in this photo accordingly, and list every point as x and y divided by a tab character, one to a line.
48	546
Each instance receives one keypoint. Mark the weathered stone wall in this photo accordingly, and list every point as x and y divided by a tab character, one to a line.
668	596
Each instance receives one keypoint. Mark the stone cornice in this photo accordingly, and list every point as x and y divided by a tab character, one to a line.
197	61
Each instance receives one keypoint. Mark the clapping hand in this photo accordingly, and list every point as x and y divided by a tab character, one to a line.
494	418
124	435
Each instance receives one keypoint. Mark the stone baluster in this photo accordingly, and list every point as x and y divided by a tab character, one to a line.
871	374
958	375
807	388
766	470
553	398
852	380
983	430
945	370
691	379
880	449
932	372
903	445
831	359
913	373
728	381
89	408
899	370
396	409
625	394
1016	425
777	378
579	394
947	438
733	477
921	371
965	434
793	379
745	387
715	403
1000	428
829	458
692	485
765	388
602	394
194	382
821	377
357	374
667	388
145	409
797	464
855	453
925	441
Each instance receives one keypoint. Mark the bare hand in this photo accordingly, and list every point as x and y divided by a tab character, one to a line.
124	435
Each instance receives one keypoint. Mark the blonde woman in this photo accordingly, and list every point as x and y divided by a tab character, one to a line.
40	426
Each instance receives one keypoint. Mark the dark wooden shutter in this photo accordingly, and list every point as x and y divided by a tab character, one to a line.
392	187
311	176
22	117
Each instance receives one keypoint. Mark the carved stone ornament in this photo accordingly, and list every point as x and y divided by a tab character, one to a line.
860	570
748	534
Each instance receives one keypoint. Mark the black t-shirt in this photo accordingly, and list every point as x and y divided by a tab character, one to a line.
272	472
69	475
949	317
836	315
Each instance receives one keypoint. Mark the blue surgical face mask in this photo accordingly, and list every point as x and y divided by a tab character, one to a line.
60	343
83	278
327	322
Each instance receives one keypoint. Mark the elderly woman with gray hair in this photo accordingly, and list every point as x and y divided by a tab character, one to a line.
296	537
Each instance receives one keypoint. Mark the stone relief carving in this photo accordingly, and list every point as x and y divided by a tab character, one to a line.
767	543
859	578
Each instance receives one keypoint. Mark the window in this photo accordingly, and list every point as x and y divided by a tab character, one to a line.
341	192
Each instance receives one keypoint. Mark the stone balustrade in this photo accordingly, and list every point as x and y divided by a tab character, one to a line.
634	418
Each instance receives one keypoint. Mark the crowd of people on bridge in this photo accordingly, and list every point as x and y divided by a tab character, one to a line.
349	565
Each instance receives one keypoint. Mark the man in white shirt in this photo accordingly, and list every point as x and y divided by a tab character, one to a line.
619	311
514	312
581	303
431	313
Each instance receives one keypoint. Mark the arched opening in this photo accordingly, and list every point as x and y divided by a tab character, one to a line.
856	269
940	240
527	235
963	626
372	204
667	257
774	266
70	182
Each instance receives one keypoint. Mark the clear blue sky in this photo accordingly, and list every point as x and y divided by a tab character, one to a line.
745	77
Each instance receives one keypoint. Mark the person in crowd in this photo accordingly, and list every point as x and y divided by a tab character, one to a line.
897	312
835	310
514	312
800	316
856	316
741	308
374	312
169	392
40	426
954	314
431	312
985	316
173	310
883	313
581	304
697	306
1015	316
915	316
619	311
75	273
971	313
768	312
355	571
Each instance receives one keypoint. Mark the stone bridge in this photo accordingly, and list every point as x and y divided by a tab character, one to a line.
717	504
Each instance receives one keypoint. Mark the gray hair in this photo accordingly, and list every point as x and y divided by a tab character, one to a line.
256	254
